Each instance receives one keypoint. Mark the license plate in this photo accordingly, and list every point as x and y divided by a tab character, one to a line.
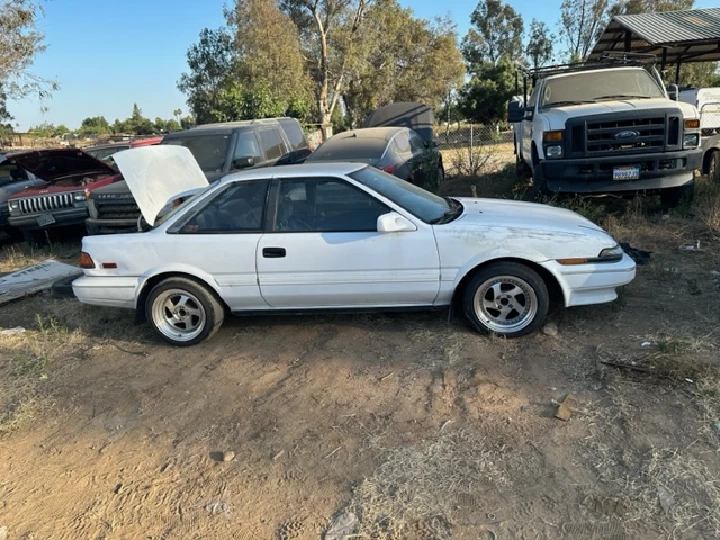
45	220
626	173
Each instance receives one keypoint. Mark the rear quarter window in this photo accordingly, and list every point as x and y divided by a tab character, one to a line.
295	134
272	143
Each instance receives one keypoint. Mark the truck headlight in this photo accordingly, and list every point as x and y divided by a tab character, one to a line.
691	140
80	196
554	151
14	205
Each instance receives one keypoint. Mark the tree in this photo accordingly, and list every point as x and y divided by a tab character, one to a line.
484	99
328	37
177	113
396	50
540	44
209	62
581	23
138	124
20	42
267	55
94	125
172	125
497	33
187	122
635	7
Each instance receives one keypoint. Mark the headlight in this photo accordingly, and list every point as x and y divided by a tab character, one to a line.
14	205
79	196
611	254
554	151
690	140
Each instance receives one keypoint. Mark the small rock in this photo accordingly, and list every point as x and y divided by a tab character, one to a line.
666	499
715	272
550	329
343	525
218	507
565	409
3	532
716	427
645	344
228	456
119	489
597	385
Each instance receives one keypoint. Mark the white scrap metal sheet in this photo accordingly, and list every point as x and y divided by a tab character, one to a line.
155	174
33	279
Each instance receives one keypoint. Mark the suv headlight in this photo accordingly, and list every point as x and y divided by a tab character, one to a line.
79	196
14	206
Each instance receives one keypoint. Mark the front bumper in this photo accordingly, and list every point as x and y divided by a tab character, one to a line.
106	291
63	217
594	283
110	226
659	170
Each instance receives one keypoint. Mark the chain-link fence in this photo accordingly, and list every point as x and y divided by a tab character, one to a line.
472	150
710	119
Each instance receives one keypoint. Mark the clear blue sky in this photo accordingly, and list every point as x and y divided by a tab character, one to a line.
107	55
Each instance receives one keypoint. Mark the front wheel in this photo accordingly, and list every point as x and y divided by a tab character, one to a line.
714	172
183	312
505	298
674	197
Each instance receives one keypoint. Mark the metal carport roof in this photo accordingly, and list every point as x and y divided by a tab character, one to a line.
675	37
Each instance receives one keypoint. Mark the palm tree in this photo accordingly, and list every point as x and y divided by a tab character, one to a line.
177	113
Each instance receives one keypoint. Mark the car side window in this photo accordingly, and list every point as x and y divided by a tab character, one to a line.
246	146
272	143
402	143
237	209
326	205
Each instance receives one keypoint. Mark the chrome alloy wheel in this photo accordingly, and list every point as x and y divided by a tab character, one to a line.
505	304
178	315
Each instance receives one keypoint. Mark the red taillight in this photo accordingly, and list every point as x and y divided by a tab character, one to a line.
86	261
109	265
389	169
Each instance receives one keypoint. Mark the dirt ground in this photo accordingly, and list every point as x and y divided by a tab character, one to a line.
414	424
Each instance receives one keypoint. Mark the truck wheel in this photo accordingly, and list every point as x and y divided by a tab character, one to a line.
540	184
714	171
674	197
183	312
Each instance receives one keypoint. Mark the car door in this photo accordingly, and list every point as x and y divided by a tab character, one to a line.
273	143
324	251
220	239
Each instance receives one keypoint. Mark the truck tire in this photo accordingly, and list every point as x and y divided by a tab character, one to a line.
540	185
674	197
714	168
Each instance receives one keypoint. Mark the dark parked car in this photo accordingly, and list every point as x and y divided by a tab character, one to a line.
219	149
397	139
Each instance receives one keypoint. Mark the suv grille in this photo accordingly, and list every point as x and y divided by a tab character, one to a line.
40	205
116	208
637	134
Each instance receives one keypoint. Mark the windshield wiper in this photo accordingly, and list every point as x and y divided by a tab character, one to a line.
622	96
453	212
568	102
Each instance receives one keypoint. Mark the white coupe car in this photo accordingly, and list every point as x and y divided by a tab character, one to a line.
342	237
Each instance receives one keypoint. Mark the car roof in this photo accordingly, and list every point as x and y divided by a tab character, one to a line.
228	127
303	170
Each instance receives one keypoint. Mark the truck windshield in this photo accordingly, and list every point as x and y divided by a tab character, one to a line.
209	150
594	86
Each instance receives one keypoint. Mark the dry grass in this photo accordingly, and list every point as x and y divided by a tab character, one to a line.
478	160
421	484
20	255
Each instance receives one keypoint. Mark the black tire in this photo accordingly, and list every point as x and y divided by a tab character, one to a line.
714	167
212	309
674	197
517	273
540	185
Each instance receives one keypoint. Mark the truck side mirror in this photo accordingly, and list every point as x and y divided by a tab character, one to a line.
515	112
672	91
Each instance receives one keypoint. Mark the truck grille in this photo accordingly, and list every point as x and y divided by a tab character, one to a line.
116	208
618	135
46	203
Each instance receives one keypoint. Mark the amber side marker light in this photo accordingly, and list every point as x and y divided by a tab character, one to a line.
572	261
86	261
692	123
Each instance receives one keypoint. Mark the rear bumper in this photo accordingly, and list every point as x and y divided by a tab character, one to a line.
110	226
63	217
106	291
594	175
593	283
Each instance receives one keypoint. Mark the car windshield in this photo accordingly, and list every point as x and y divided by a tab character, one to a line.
209	150
420	203
591	87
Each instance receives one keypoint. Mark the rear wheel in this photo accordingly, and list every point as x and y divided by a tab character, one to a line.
183	312
714	170
674	197
505	298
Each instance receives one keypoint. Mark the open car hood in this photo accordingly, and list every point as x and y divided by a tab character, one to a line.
409	114
155	174
52	165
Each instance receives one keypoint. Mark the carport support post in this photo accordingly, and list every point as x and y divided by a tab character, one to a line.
677	70
664	61
628	41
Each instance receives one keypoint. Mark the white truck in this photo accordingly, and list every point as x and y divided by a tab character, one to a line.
707	102
607	127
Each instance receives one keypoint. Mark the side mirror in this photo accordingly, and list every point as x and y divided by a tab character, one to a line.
293	158
515	112
672	91
243	163
394	222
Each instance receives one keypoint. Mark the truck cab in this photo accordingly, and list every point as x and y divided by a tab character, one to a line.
707	102
607	128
